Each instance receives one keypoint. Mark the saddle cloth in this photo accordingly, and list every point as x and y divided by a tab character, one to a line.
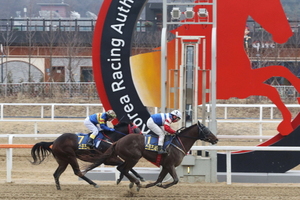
83	138
151	141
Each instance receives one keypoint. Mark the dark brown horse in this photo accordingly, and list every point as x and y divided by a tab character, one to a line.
132	147
65	150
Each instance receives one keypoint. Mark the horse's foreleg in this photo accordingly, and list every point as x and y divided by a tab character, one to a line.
160	178
285	127
174	176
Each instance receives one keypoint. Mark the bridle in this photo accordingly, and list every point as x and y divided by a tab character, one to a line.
203	133
132	128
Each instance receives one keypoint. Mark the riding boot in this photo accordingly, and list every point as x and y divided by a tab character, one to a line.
90	143
161	150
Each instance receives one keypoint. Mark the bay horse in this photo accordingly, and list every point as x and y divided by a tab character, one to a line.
132	147
65	150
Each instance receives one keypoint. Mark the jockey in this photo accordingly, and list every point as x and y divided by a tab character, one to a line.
160	122
98	118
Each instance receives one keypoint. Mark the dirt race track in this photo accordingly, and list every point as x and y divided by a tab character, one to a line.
36	182
108	190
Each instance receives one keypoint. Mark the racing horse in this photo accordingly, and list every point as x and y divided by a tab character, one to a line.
132	147
65	150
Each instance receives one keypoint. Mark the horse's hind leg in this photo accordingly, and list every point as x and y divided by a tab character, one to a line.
60	169
137	175
120	168
125	170
77	172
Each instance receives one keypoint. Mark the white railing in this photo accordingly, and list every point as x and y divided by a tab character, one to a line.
228	149
225	106
52	105
53	118
9	151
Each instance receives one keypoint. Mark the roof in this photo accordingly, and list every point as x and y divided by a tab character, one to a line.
52	4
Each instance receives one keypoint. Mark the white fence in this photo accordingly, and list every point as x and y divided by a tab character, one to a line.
261	119
228	149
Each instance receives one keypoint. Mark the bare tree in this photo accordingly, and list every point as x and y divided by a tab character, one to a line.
8	37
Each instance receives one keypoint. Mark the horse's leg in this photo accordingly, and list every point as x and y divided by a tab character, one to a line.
264	73
77	172
125	170
62	165
137	175
132	170
173	173
160	178
120	164
285	127
120	169
115	161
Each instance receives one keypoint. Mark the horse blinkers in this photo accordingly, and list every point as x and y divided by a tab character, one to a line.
206	135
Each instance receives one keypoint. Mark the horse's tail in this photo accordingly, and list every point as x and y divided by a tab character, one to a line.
107	154
40	151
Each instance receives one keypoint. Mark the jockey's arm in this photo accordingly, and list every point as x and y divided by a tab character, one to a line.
103	125
168	127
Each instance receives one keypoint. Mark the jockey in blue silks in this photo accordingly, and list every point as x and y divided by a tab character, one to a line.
92	121
160	122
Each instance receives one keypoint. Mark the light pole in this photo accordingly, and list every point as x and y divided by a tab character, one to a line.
1	49
179	18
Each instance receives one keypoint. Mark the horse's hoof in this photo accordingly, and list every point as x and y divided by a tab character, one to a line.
159	185
131	185
142	180
96	186
118	181
138	189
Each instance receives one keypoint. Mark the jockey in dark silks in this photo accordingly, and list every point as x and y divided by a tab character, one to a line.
93	120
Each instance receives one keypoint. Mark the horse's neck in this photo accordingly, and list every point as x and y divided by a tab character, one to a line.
188	140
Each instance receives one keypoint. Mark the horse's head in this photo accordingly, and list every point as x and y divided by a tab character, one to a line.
206	135
270	15
133	128
127	128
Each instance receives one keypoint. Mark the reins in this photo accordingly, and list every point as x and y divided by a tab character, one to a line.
129	130
178	136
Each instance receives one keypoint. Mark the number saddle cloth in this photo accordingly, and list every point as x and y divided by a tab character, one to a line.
151	141
83	138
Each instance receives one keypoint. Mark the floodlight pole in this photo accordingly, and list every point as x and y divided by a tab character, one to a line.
1	49
213	84
212	113
163	58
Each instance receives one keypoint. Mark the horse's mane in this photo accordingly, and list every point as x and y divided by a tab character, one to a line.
184	129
